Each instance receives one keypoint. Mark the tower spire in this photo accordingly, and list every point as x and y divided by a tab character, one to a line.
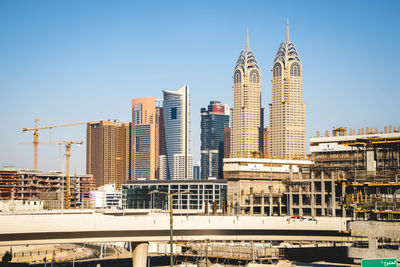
287	30
247	38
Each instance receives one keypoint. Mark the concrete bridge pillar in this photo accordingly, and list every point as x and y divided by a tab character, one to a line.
139	254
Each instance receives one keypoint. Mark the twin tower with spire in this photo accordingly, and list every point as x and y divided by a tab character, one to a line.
286	131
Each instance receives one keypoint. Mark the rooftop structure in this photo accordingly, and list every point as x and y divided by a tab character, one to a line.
259	168
373	156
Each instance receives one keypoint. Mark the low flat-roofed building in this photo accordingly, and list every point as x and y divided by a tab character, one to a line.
106	196
208	196
33	204
261	168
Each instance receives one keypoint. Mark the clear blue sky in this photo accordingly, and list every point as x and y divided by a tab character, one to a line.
75	61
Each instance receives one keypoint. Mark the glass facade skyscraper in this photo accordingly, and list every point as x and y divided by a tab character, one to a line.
176	113
214	119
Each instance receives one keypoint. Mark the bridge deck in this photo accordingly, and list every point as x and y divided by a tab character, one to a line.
97	227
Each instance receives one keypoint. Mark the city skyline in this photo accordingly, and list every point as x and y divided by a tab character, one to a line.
54	71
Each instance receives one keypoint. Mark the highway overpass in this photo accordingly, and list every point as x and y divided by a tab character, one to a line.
99	227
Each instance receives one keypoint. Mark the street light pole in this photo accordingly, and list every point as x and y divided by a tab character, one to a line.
171	229
171	219
270	190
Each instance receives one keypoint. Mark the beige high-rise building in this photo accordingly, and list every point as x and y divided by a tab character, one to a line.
107	152
287	111
245	127
146	135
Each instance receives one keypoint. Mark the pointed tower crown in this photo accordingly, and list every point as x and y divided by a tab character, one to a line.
247	60
287	51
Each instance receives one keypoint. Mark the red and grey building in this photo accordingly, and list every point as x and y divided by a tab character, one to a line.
214	119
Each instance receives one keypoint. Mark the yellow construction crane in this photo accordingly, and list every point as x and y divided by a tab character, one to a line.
36	137
67	156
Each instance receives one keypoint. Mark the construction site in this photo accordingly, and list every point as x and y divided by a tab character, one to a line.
349	175
56	189
367	167
48	187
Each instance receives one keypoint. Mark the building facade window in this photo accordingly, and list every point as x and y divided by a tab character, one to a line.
277	70
174	113
238	77
254	76
295	69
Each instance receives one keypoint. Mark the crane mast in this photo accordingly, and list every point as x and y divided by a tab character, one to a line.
67	191
67	177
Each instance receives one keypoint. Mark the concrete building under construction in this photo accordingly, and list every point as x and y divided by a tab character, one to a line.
262	186
49	187
349	175
367	167
365	154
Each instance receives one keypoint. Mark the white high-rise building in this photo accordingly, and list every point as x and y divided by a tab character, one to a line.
162	167
177	133
181	172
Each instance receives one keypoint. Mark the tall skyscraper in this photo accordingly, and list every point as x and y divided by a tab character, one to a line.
246	104
146	135
108	152
287	111
178	160
214	119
